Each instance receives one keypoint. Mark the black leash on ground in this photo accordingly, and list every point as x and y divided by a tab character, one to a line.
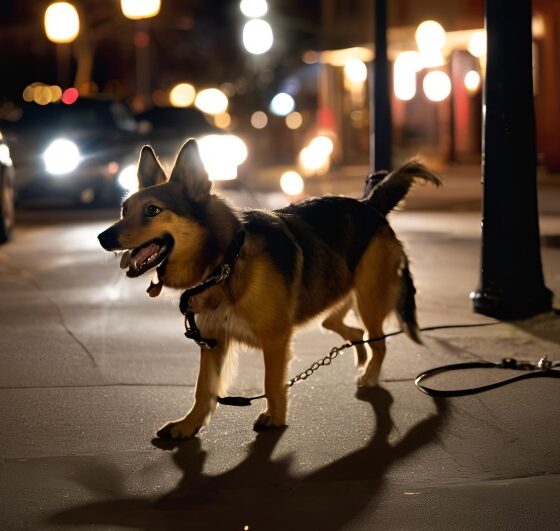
544	368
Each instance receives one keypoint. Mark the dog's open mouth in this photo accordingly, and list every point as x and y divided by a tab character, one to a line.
151	254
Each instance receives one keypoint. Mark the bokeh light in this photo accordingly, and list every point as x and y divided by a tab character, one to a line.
291	183
211	101
282	104
259	120
70	95
222	120
472	81
355	70
56	93
221	155
294	120
253	8
182	95
430	35
405	67
437	85
128	178
41	94
62	156
139	9
62	23
257	36
430	39
315	158
477	43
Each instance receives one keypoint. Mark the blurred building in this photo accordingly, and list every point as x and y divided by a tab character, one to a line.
436	116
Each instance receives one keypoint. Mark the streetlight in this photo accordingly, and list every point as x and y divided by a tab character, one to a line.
257	36
140	11
62	26
253	8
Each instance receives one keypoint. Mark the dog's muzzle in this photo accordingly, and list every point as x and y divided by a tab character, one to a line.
108	240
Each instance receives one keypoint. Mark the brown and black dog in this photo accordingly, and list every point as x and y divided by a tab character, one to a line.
319	257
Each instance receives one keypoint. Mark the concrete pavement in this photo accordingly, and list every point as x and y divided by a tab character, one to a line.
90	367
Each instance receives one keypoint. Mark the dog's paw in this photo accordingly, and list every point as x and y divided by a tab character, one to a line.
178	429
266	421
368	379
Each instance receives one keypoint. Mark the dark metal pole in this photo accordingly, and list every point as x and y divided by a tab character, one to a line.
511	278
380	128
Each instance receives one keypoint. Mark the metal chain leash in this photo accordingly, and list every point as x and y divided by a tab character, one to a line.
327	360
333	353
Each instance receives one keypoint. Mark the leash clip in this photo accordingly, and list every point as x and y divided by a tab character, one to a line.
544	364
192	332
203	342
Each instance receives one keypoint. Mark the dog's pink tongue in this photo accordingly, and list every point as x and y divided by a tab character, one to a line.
144	253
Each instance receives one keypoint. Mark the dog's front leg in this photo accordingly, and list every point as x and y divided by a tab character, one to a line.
208	387
276	351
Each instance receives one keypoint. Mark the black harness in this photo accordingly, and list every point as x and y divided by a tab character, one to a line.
219	275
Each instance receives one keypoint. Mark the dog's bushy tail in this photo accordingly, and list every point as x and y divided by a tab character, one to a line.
386	194
406	305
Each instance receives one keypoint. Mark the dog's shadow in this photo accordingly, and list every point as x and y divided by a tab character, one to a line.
260	491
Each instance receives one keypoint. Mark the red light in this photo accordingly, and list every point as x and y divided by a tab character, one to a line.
70	96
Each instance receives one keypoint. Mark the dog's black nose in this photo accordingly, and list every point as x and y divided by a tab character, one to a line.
108	240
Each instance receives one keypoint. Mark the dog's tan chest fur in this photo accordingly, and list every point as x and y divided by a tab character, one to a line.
225	318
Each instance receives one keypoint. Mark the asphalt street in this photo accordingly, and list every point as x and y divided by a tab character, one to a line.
91	367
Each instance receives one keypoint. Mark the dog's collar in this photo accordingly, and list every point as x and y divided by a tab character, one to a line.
219	275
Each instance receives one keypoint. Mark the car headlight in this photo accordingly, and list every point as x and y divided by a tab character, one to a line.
62	156
221	154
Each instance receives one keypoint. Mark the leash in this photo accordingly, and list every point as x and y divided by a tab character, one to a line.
543	368
219	275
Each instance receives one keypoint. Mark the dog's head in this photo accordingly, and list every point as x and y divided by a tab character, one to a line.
166	224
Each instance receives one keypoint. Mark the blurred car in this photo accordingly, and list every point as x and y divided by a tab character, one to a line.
167	128
7	208
75	151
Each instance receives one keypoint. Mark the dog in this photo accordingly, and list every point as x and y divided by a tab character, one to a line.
316	258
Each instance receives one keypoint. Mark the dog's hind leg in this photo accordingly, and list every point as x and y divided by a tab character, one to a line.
335	322
210	384
276	351
377	286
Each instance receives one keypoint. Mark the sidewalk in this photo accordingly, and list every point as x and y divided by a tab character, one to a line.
91	367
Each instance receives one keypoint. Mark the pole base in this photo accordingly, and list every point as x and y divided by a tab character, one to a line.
512	306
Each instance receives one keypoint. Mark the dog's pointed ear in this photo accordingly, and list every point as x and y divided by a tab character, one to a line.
150	171
189	171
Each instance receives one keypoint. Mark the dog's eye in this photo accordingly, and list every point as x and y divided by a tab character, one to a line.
152	210
124	210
